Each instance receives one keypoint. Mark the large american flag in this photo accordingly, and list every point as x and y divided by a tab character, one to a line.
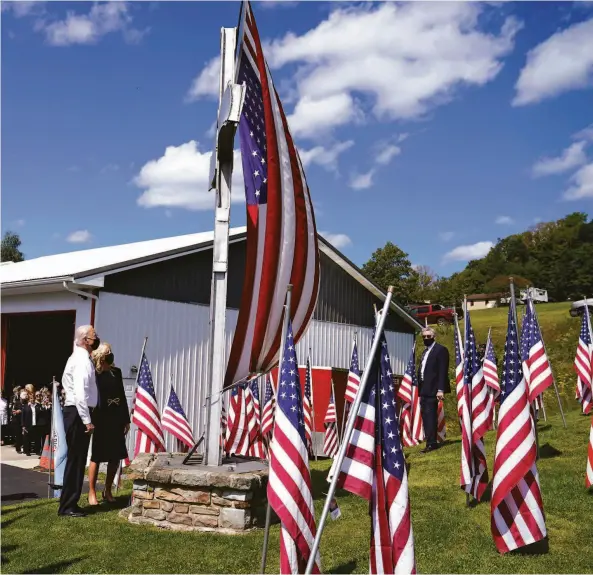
491	378
536	365
410	417
256	445
458	370
330	442
175	421
375	469
353	382
267	418
517	510
289	484
145	414
474	423
308	405
583	363
282	245
237	432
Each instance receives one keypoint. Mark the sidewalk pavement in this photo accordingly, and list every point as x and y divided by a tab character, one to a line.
9	456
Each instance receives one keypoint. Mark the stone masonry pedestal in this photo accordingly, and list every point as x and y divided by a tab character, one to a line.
227	499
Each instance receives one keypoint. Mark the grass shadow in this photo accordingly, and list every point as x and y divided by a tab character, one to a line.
538	548
544	427
19	496
10	521
6	549
547	451
56	567
349	567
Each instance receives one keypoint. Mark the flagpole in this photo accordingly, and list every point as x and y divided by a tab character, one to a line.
469	407
348	432
551	369
313	441
264	555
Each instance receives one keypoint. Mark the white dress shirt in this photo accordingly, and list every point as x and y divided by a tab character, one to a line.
34	413
79	383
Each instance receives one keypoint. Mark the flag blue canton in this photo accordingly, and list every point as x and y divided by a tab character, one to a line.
457	346
175	404
255	389
354	368
490	352
268	394
252	132
289	399
308	380
411	369
585	330
471	363
527	332
512	371
145	378
393	457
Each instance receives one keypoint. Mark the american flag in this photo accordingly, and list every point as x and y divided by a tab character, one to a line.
308	406
282	245
330	443
517	514
491	376
474	423
459	371
267	418
583	363
374	468
410	417
536	366
353	382
256	445
441	422
175	421
223	421
589	473
145	414
289	484
237	432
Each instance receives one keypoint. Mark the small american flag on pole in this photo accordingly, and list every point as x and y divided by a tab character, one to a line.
459	388
175	421
491	378
237	434
267	418
517	512
408	395
256	446
374	468
583	363
289	485
353	382
145	415
330	443
282	245
308	405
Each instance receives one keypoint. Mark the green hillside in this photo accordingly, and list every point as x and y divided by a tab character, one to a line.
560	332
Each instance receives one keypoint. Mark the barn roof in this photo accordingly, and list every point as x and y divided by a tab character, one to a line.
84	268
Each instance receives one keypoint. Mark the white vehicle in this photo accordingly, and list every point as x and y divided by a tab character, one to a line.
537	295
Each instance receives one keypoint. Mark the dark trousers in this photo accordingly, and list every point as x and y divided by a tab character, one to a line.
428	407
32	438
77	441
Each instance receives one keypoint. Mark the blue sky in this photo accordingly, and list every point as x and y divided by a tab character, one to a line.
440	127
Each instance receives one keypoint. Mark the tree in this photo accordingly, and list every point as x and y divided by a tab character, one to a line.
390	265
10	248
422	284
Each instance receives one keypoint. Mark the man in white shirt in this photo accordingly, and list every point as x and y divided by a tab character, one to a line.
433	382
80	388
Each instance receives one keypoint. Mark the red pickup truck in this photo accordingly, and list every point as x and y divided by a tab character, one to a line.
434	313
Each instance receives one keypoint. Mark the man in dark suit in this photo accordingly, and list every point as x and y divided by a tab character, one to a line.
433	381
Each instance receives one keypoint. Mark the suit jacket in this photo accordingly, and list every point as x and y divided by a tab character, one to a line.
436	372
27	414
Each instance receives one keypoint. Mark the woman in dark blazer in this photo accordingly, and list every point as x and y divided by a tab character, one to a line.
111	419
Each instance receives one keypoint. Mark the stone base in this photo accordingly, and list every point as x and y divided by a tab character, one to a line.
227	499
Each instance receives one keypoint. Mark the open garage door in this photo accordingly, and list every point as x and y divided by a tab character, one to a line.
35	347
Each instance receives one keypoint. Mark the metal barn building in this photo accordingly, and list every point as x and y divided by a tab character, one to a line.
161	289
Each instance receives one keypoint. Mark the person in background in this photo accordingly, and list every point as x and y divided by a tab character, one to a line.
44	414
80	386
111	420
18	404
3	417
31	428
433	382
30	388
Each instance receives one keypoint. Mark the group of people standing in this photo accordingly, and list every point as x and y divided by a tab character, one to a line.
26	419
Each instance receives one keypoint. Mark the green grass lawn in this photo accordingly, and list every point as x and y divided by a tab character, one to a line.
450	538
559	330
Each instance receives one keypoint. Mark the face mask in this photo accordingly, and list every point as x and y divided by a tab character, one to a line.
428	341
109	359
96	343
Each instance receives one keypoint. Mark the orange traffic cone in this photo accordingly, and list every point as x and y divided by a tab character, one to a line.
44	462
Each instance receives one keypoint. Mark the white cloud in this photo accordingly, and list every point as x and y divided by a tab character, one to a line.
585	133
339	241
571	157
561	63
180	178
206	83
446	236
102	19
397	60
79	237
504	221
362	181
582	184
406	58
387	154
469	252
22	8
325	157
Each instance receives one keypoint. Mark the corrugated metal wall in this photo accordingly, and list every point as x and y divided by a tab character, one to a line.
178	345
